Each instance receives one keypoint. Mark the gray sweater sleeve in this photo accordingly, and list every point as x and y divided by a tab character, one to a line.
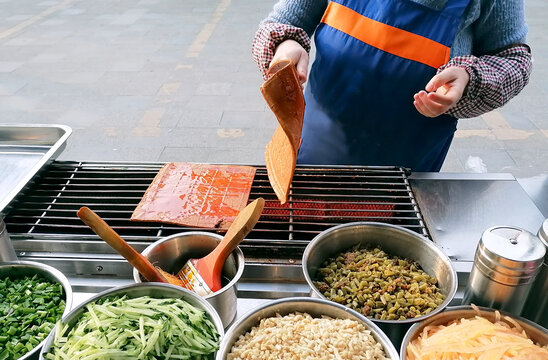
304	14
499	25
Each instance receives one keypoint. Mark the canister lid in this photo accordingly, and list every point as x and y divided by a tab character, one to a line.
509	255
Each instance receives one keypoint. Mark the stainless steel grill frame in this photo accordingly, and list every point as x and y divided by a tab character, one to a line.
42	219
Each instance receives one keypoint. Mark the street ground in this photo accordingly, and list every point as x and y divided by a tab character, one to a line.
167	80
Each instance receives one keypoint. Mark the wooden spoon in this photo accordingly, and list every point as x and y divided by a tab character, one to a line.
141	263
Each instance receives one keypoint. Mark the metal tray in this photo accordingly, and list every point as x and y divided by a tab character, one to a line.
24	150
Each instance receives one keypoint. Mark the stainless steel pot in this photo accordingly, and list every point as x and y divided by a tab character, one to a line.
20	269
395	240
537	333
172	252
313	306
155	290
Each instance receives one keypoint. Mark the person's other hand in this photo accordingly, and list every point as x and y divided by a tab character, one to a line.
292	50
443	91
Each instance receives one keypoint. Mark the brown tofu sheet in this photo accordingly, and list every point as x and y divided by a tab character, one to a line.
283	94
196	195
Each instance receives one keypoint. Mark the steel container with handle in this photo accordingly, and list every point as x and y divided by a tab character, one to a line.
536	307
172	252
505	265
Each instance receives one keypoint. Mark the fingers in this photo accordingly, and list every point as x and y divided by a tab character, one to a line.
446	76
302	67
293	51
426	106
288	50
283	55
449	77
447	100
443	91
437	81
420	106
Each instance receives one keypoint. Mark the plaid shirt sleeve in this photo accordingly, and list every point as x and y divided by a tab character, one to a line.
494	80
271	35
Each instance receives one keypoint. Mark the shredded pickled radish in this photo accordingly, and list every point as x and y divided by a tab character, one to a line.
475	338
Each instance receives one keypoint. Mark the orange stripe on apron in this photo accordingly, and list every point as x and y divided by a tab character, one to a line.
385	37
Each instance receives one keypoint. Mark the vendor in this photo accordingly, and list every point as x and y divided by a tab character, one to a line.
391	77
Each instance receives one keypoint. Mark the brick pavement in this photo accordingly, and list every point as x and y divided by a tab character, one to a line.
166	80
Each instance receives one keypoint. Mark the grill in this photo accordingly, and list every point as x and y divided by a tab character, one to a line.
42	218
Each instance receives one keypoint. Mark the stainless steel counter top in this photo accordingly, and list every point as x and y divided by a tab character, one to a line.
457	208
537	189
24	150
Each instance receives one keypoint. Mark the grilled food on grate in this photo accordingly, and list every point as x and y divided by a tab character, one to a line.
199	195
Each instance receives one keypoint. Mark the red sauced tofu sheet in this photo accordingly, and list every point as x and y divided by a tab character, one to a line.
196	195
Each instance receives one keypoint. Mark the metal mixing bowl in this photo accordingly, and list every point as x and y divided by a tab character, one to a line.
313	306
394	240
155	290
172	252
537	333
20	269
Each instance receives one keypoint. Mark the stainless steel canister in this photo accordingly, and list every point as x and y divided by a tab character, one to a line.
505	265
536	307
6	247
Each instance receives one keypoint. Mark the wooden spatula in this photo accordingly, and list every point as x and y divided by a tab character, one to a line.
141	263
203	276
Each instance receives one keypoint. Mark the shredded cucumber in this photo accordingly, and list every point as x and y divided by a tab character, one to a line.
138	328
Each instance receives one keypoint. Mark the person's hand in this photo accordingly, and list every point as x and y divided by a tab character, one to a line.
292	50
443	91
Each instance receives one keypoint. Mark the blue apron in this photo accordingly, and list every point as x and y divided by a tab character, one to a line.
359	100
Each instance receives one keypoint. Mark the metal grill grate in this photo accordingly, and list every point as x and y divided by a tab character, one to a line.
321	197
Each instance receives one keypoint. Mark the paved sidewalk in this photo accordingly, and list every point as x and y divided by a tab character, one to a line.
166	80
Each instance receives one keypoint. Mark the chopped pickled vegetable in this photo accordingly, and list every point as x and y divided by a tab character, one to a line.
378	285
138	328
29	309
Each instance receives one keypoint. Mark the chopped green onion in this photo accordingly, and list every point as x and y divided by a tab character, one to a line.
29	308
